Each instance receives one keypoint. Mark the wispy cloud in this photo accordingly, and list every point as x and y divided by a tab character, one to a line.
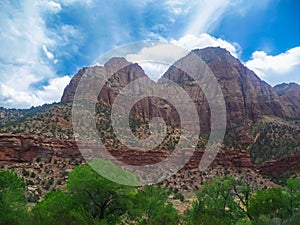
50	6
28	49
205	15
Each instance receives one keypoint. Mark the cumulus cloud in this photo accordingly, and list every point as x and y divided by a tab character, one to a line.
158	52
11	97
54	90
282	63
28	51
284	66
156	58
204	40
154	69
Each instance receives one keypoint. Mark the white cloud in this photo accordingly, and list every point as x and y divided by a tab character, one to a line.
282	63
178	7
71	2
158	52
204	40
52	92
207	13
51	6
157	58
154	69
284	66
48	54
22	37
25	57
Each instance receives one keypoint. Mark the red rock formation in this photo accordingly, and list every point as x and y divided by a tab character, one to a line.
246	96
24	148
290	97
280	166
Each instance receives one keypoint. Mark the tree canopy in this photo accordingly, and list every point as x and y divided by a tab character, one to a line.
88	198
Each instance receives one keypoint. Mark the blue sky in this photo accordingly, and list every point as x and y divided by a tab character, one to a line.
44	42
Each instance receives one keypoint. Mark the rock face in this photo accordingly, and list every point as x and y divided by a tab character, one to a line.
25	148
52	159
247	97
123	73
117	73
21	148
290	98
281	166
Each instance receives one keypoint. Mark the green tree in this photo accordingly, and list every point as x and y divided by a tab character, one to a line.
151	207
292	190
12	199
55	206
103	198
271	203
242	193
215	203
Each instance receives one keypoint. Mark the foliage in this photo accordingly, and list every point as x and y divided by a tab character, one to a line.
91	199
151	207
102	198
275	138
12	198
270	202
216	203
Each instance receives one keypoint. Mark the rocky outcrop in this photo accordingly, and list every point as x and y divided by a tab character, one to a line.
115	74
275	168
39	160
25	148
290	98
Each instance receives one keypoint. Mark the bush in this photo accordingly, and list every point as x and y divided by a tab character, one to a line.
179	196
25	173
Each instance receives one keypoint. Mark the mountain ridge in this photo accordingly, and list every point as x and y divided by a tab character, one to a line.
246	95
249	101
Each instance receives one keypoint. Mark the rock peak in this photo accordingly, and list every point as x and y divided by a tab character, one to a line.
287	85
117	61
212	50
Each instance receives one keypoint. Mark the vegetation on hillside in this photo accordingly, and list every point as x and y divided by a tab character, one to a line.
50	121
275	138
88	198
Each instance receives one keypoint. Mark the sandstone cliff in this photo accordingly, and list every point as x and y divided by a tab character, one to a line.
289	95
247	97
